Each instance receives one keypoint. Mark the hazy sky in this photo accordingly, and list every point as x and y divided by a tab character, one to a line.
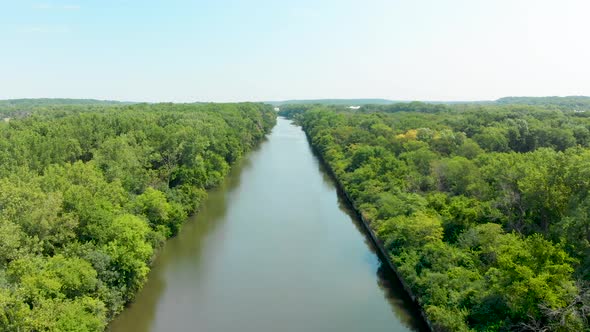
227	50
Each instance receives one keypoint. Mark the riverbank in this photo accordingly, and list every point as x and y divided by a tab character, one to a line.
376	241
273	248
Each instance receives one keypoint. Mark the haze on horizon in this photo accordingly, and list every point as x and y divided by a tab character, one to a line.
269	50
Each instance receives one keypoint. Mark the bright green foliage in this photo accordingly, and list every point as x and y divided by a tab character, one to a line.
129	251
88	193
83	314
413	231
160	213
485	210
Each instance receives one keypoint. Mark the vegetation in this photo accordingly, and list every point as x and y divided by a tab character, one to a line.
346	102
574	103
22	107
570	103
484	209
89	193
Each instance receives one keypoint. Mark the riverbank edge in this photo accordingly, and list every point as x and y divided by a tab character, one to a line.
376	241
196	211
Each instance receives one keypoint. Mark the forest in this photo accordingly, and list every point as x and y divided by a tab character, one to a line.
90	191
569	103
483	209
575	103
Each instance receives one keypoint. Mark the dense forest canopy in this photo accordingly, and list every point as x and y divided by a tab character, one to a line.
18	108
570	103
484	209
89	193
29	102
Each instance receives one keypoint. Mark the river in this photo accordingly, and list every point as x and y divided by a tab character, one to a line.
275	248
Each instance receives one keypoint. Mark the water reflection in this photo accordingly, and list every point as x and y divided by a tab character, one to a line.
273	249
187	246
401	303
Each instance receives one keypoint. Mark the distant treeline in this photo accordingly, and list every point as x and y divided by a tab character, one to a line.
88	194
579	103
346	102
12	108
572	103
484	209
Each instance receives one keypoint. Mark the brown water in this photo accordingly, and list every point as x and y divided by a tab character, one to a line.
273	249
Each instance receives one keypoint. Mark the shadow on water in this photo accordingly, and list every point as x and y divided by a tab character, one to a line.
192	283
401	303
186	245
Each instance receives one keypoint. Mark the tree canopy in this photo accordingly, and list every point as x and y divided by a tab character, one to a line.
483	209
89	193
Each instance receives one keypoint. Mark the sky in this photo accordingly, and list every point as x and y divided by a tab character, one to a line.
262	50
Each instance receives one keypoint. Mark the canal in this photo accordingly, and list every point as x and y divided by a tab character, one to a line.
273	249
